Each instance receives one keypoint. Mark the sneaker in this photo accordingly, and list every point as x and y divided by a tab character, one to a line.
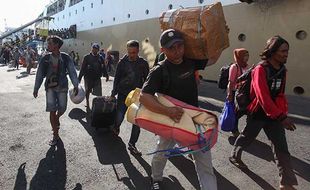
238	163
53	141
287	187
133	149
156	185
235	134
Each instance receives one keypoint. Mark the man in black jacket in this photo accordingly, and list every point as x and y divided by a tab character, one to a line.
92	69
131	72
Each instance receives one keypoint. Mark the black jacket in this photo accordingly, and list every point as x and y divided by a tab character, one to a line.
129	75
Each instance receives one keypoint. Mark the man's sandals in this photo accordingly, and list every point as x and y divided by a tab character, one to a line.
54	141
238	163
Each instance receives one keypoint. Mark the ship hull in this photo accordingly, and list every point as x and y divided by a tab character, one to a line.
257	22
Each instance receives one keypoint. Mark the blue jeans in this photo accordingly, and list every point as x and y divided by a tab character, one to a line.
56	100
120	113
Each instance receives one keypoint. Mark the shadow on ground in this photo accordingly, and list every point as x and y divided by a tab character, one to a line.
264	151
51	172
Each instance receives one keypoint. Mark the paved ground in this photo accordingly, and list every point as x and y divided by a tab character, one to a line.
86	159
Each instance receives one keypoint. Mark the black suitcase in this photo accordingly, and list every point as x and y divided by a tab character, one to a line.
103	112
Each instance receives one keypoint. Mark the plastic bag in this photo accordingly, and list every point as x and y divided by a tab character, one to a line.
228	116
79	97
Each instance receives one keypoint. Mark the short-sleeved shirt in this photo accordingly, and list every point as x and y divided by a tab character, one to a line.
182	84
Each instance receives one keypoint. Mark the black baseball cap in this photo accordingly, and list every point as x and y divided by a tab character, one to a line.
169	37
95	45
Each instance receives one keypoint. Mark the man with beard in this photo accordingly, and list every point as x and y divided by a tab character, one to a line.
268	110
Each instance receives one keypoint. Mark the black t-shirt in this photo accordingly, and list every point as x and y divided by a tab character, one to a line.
182	82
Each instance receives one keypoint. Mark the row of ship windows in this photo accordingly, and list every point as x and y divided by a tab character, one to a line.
128	15
300	35
170	6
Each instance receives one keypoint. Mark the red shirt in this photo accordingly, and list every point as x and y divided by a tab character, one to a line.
260	93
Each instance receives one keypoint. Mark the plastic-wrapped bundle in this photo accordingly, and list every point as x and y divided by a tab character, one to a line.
197	129
79	97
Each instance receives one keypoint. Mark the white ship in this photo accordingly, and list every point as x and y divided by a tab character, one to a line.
113	22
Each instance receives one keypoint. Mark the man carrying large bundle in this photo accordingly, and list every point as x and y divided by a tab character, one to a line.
182	86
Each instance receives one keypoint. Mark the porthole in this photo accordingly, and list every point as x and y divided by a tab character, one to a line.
101	21
147	40
170	7
69	14
128	15
113	18
301	35
147	11
75	11
91	5
101	2
91	24
63	16
200	1
242	37
83	8
298	90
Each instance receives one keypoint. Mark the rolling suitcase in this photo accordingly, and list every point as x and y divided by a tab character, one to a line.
103	112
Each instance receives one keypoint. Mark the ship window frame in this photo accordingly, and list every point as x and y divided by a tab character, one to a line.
91	5
76	11
301	35
147	11
83	8
63	16
128	15
91	24
298	90
114	19
200	1
101	21
101	2
170	6
69	14
242	37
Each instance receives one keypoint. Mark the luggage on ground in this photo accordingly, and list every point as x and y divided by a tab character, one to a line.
103	112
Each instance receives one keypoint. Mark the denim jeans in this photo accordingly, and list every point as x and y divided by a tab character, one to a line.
56	100
120	113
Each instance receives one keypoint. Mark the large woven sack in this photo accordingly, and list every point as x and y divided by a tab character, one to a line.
204	29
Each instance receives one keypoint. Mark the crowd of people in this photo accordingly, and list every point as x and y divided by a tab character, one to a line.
65	33
267	110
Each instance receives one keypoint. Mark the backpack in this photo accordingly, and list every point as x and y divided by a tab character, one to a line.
91	70
242	96
224	76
